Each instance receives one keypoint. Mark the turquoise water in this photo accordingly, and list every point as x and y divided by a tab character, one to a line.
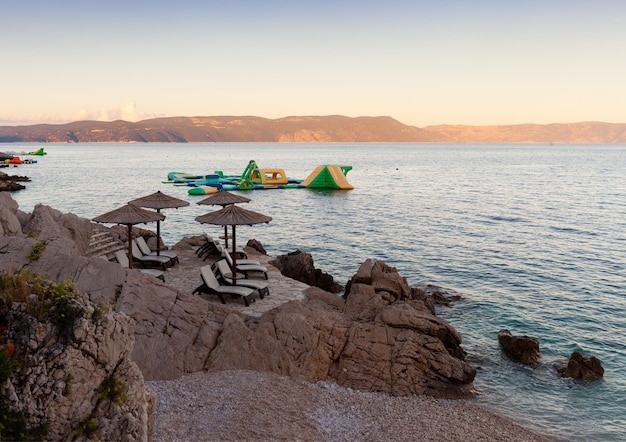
532	236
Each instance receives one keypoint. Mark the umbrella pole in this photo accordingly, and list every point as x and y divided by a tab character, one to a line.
234	257
226	237
130	246
158	235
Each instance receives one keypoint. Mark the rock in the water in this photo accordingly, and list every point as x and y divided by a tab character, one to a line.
582	367
520	348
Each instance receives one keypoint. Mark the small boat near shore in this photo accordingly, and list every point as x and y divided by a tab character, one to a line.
254	178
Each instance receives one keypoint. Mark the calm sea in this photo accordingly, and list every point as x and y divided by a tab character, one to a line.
532	236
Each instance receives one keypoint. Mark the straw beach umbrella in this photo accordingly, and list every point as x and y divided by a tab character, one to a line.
224	198
129	215
158	201
233	215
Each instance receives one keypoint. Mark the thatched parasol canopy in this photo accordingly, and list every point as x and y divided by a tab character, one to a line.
224	198
129	215
233	215
158	201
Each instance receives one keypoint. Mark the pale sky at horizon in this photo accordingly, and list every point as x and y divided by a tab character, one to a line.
420	62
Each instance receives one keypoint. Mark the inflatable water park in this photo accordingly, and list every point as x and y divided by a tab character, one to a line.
12	158
254	178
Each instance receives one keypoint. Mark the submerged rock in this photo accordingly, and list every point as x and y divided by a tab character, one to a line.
581	367
520	348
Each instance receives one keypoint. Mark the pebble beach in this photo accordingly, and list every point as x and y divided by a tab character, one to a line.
252	406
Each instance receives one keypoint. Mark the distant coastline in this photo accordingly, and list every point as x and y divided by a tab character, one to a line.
308	129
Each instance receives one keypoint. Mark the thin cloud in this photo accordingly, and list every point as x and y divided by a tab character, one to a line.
127	111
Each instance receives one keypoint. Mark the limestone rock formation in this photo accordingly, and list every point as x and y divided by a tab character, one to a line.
299	265
72	376
582	367
256	245
520	348
9	224
382	335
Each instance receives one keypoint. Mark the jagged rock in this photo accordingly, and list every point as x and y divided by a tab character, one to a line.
299	265
520	348
59	381
191	242
9	223
256	245
582	367
10	186
379	337
423	296
47	223
10	183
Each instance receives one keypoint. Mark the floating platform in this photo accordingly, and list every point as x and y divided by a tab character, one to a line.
254	178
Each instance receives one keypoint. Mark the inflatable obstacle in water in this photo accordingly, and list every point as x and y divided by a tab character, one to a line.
328	177
254	178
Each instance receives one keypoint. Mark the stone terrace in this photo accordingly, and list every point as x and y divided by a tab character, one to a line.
185	276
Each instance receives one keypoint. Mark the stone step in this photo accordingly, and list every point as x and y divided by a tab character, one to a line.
103	244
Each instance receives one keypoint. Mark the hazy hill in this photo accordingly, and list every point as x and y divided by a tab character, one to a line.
221	129
310	129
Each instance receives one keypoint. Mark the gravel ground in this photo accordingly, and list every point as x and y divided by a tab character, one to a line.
247	405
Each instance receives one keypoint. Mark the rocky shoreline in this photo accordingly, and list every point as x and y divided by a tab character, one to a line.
377	347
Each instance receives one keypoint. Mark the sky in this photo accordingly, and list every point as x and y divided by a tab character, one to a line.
420	62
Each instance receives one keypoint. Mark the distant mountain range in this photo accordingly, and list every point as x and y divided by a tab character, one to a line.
308	129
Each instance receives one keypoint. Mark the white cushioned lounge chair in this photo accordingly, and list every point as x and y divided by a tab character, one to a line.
210	284
245	268
222	269
145	249
149	261
122	258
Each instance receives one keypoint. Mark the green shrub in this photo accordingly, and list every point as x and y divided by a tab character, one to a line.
64	314
113	389
7	367
13	426
37	250
87	427
53	300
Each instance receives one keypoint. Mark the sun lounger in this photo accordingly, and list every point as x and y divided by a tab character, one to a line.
243	261
150	261
122	258
146	251
210	284
207	249
246	268
222	269
240	253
